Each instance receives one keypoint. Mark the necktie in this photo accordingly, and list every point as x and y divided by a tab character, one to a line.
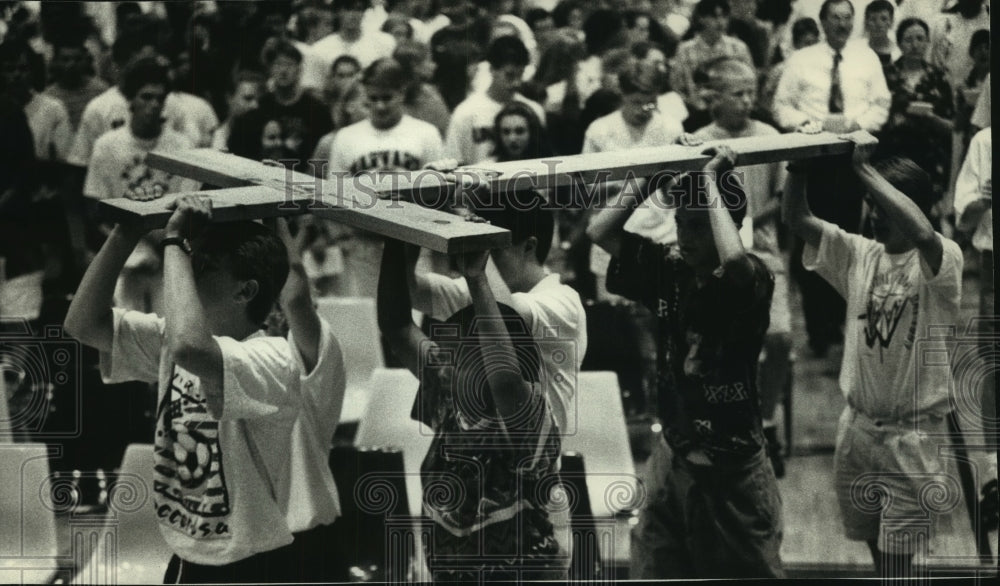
836	95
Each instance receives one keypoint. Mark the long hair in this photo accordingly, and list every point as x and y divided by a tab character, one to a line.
538	140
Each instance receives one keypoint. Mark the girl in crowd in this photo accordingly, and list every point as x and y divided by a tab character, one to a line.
920	117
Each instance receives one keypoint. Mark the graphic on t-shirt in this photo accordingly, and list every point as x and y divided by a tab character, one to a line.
385	160
187	470
138	176
890	295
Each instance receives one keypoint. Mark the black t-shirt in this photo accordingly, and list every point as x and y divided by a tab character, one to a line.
281	131
710	338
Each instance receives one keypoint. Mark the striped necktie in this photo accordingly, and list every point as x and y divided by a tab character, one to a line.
836	94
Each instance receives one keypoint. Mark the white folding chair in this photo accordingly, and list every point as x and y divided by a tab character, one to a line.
355	324
601	436
130	549
28	547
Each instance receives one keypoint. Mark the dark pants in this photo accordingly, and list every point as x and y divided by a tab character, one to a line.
835	195
314	556
708	521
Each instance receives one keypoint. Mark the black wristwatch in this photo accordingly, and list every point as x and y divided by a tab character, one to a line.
182	242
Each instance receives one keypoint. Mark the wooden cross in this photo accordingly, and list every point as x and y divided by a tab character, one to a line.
253	190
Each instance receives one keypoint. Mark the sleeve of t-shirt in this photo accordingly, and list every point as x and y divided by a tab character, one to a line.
447	295
260	378
135	348
322	388
837	254
338	163
97	184
948	280
459	138
634	272
86	135
433	147
62	133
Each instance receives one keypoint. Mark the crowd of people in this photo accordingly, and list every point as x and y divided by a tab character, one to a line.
875	245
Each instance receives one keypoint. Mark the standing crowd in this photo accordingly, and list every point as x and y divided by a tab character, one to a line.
211	329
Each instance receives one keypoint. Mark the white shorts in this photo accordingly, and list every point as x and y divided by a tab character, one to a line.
892	484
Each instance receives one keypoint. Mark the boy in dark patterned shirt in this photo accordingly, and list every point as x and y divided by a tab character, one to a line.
713	509
496	443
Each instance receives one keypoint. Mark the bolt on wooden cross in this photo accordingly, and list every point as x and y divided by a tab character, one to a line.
378	202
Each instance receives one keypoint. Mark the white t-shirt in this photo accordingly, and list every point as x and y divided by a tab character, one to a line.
470	133
407	146
892	300
371	45
184	113
975	181
215	489
557	322
312	497
118	165
50	127
612	133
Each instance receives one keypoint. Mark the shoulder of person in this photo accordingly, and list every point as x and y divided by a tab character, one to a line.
172	139
114	138
758	128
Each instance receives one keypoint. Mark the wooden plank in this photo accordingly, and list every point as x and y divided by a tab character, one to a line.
405	221
617	165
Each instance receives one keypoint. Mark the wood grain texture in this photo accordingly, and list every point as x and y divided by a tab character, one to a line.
253	190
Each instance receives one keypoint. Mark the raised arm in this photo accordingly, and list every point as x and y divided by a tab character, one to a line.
509	390
795	207
89	318
296	300
901	209
724	231
188	337
395	319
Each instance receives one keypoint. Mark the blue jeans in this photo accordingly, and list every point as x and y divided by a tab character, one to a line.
708	521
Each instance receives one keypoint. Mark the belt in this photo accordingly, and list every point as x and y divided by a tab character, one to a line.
890	421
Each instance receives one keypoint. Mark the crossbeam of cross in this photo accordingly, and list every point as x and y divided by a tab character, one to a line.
384	203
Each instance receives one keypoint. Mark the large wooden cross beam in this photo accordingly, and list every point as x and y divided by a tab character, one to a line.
253	190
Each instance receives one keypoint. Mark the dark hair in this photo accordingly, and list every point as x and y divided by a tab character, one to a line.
536	15
275	47
341	5
507	50
524	214
247	250
803	27
604	30
638	77
825	8
907	177
880	6
345	58
72	41
908	23
397	19
710	7
538	139
560	14
246	76
14	49
559	60
410	54
142	72
979	38
688	195
386	73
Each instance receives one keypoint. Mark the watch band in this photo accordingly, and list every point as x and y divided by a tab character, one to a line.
182	242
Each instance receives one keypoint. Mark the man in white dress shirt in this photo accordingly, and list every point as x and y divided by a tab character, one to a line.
837	87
